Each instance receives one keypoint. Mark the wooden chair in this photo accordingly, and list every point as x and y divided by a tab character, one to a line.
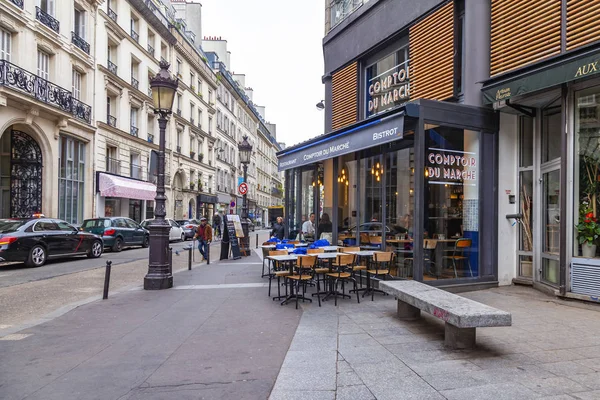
343	273
460	253
381	262
265	254
305	268
278	272
356	267
364	238
429	246
315	251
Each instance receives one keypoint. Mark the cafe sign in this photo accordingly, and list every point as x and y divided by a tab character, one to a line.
451	167
388	89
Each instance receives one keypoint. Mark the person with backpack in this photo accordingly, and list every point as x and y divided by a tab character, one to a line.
217	225
204	236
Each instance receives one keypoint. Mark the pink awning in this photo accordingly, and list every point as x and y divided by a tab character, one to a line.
116	186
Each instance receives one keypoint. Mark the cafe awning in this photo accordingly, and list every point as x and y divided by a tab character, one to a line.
117	186
552	72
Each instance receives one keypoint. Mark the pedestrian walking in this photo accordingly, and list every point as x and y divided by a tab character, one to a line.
216	222
278	229
204	236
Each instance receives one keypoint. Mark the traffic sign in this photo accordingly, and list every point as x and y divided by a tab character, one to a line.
243	188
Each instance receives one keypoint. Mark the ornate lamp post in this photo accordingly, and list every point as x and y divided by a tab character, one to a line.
159	274
245	150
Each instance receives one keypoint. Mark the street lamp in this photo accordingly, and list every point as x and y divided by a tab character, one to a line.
160	274
245	151
321	105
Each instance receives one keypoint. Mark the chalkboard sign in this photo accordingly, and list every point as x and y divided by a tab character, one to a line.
230	238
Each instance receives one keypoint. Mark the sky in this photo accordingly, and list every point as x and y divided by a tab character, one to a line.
277	44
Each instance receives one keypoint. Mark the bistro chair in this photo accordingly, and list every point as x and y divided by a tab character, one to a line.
319	268
278	272
304	271
460	254
343	273
382	262
364	238
265	254
355	268
375	241
429	246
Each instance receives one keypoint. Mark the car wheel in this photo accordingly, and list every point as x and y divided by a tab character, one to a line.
146	241
118	246
96	250
183	237
37	257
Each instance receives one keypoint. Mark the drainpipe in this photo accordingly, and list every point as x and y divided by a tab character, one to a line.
94	200
562	258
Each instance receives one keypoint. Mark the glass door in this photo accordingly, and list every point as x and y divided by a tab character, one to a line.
550	226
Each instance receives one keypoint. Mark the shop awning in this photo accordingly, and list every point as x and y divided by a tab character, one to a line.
117	186
553	72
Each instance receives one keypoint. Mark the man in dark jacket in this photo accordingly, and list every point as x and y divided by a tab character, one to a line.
217	225
278	229
204	236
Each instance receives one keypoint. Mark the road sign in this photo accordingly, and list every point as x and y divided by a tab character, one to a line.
243	188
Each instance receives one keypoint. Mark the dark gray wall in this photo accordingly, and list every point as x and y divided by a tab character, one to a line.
477	49
369	26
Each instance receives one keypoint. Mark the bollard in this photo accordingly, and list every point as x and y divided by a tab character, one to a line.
190	258
170	255
208	254
107	279
257	240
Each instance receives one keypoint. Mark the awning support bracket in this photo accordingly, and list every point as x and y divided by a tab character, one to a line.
529	111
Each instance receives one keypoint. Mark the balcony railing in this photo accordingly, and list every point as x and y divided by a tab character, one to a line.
80	42
18	3
192	154
150	138
133	130
42	90
113	165
112	14
112	121
112	67
179	112
135	36
150	49
135	171
47	19
276	192
162	59
192	121
135	83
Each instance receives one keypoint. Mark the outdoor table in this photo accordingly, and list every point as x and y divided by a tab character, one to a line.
267	246
301	245
328	257
289	259
330	248
366	254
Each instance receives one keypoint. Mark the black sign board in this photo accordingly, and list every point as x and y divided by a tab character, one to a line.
230	238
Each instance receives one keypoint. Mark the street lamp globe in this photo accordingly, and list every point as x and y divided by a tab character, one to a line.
245	149
163	87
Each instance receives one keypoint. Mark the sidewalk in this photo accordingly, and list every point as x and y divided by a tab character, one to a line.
193	341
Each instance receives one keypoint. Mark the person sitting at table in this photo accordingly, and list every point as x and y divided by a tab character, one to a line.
324	225
308	227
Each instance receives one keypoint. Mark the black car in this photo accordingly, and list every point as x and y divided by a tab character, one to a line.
35	240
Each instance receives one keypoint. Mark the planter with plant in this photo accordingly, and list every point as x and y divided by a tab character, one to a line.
191	185
192	154
199	185
201	157
588	230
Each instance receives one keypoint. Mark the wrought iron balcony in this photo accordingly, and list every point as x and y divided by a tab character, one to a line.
18	3
112	14
162	59
135	171
135	83
113	165
133	130
42	90
111	67
135	36
112	121
192	121
150	138
47	19
276	192
150	49
80	42
179	112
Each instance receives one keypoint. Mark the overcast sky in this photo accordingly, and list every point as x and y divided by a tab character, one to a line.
277	44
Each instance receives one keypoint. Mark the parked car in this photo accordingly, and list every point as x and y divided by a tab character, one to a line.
35	240
176	232
117	232
375	228
189	227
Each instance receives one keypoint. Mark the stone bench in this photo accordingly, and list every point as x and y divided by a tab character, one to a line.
461	315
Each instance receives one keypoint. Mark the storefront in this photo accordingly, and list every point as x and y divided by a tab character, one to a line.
206	206
415	180
550	113
118	196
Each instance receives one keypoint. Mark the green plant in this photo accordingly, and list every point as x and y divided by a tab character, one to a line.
588	229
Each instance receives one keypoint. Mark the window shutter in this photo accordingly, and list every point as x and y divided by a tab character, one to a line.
582	23
344	96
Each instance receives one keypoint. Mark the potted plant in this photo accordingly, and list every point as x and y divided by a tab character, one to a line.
201	156
199	185
588	230
191	185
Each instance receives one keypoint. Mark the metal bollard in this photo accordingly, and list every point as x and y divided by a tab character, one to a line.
208	254
170	255
190	258
257	240
107	279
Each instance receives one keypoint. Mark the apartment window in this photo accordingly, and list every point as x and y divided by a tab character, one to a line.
135	169
134	117
179	104
111	103
192	112
134	28
191	145
199	88
192	80
71	161
179	141
5	44
210	96
199	118
76	85
210	125
199	147
79	23
135	66
178	70
47	6
43	66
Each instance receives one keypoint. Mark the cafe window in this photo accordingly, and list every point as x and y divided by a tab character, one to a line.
387	82
587	171
451	203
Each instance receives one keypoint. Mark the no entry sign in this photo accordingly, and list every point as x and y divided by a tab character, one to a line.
243	188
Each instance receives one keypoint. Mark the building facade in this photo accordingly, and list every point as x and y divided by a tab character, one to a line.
46	97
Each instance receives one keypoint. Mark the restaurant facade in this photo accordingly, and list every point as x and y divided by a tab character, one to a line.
432	154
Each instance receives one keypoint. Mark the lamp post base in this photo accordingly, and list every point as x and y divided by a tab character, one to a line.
160	272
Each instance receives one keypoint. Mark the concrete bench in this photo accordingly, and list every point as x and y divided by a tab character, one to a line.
461	315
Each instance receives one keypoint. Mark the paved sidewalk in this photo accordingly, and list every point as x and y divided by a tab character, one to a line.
362	351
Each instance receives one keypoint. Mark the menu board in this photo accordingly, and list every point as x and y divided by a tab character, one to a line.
230	237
